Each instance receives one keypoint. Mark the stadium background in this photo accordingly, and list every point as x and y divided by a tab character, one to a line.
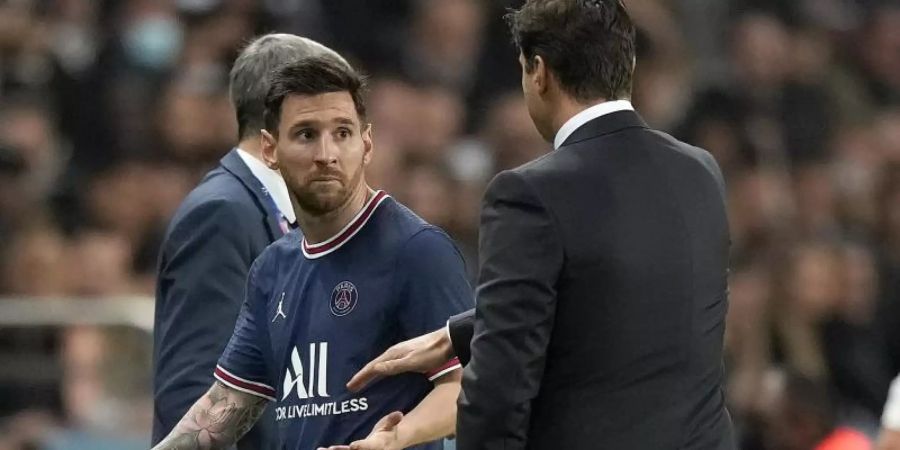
110	111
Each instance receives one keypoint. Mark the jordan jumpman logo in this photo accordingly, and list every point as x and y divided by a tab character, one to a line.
280	311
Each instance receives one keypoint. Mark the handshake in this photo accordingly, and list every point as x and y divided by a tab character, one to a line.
396	431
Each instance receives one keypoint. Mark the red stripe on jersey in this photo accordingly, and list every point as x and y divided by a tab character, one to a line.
444	368
258	388
351	229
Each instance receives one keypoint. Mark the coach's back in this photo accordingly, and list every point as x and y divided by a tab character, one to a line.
636	347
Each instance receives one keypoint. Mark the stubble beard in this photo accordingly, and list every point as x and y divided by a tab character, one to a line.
319	201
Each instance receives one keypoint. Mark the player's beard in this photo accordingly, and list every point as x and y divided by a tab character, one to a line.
318	199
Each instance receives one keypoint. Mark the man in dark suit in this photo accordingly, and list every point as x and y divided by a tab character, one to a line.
603	281
238	209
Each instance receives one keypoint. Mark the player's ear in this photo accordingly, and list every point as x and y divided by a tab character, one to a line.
268	146
368	144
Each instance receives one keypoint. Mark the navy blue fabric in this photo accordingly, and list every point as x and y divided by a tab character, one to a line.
214	237
309	324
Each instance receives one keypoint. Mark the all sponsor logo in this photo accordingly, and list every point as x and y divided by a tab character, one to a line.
309	382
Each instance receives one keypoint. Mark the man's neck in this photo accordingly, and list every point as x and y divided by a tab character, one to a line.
317	229
568	108
252	146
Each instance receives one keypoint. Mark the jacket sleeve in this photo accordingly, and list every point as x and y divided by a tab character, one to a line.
521	257
202	275
461	328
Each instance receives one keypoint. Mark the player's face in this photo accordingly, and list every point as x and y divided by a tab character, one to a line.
321	149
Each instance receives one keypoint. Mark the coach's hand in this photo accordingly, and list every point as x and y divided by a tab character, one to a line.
419	354
383	437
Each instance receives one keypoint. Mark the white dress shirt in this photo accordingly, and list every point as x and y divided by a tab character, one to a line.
587	115
272	181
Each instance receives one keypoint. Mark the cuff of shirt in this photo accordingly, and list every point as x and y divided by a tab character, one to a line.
447	367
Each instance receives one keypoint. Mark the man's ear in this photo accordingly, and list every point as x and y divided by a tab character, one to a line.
268	146
540	74
368	143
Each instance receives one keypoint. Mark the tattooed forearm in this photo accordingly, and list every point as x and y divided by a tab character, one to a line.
216	421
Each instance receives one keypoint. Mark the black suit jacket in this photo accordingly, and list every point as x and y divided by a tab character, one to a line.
217	232
601	300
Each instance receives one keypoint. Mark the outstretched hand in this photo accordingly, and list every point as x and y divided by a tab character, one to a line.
383	437
419	354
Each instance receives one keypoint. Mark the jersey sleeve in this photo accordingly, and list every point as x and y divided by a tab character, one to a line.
242	365
433	286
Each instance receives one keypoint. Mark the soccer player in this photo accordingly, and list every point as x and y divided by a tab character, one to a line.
238	209
362	273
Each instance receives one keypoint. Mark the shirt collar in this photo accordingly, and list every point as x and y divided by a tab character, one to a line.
272	181
313	251
587	115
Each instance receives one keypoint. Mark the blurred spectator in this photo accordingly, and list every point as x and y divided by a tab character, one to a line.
26	430
35	263
810	290
662	84
100	265
101	413
196	119
777	118
429	191
444	42
879	53
889	236
857	358
746	342
439	118
392	110
509	133
799	414
12	206
30	138
110	200
816	205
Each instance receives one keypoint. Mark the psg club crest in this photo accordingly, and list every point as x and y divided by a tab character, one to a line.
343	298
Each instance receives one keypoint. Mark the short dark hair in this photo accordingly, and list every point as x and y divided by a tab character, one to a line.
249	75
313	76
588	44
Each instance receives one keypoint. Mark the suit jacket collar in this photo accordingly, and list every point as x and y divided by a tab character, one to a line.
606	124
236	166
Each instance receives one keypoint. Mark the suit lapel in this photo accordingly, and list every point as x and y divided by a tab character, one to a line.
606	124
233	163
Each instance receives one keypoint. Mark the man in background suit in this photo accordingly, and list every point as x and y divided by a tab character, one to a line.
238	209
602	290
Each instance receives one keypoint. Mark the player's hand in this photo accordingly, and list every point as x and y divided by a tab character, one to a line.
419	354
383	437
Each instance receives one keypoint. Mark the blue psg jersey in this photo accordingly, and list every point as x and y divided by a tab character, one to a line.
315	314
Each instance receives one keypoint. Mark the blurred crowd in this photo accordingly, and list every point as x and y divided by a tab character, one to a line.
111	110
